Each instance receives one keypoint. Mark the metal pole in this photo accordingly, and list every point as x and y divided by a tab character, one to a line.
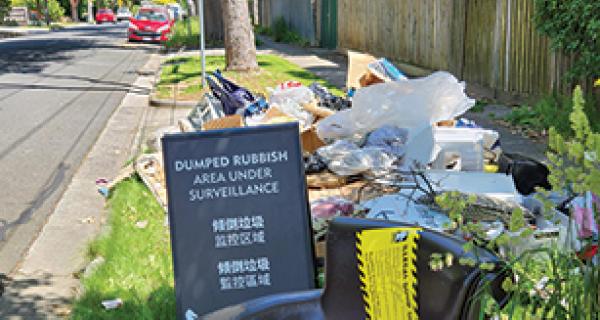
90	17
202	54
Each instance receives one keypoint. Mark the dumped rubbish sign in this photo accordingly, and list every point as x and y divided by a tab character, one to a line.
238	215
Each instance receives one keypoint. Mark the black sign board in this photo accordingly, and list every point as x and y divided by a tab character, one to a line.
240	226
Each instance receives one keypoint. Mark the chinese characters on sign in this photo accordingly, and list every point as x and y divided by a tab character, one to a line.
238	231
245	273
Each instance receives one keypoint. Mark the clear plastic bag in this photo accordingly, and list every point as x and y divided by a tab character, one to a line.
345	158
412	104
390	138
298	94
293	109
405	104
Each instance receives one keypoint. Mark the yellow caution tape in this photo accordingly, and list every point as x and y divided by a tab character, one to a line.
387	272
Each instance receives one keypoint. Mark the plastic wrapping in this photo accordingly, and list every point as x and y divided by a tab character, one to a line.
294	110
389	138
326	208
405	104
298	94
412	104
346	158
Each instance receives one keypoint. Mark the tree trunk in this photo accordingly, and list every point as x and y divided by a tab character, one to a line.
74	12
240	50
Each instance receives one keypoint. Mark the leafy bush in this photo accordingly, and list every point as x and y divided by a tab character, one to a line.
551	111
553	281
281	32
5	6
573	26
55	10
265	31
181	36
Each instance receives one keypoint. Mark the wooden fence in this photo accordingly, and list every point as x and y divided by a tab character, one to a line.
492	43
299	14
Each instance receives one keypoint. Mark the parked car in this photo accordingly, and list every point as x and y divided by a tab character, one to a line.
123	13
105	15
150	24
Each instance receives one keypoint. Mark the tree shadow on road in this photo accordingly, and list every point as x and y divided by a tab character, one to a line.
32	56
20	298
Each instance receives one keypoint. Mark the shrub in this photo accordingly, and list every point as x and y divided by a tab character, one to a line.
5	6
55	10
550	111
181	36
281	32
551	282
573	26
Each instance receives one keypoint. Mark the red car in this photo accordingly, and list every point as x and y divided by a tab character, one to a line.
105	15
150	24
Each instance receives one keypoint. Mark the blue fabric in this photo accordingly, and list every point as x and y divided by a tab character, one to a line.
232	96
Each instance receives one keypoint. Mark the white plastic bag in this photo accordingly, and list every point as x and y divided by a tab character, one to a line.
345	159
405	104
300	95
390	138
412	104
294	110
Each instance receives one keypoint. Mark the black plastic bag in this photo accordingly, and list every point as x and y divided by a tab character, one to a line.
527	173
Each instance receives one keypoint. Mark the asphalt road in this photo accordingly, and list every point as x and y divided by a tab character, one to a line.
57	91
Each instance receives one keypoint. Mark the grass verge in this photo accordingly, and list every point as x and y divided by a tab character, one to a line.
273	71
137	265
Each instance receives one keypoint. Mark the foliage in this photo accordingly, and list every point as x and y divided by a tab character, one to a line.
137	261
165	2
573	26
56	26
55	11
479	106
5	6
552	281
281	32
550	111
186	34
181	35
262	30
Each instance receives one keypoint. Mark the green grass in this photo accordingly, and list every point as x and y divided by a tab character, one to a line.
137	265
273	71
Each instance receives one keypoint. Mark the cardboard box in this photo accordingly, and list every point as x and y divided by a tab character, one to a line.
310	140
325	180
318	112
357	68
234	121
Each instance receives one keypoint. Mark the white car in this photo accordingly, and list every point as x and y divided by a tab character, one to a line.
123	14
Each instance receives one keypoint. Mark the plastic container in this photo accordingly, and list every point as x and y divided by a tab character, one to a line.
463	145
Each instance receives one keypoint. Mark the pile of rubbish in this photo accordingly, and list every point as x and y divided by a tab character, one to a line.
385	150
